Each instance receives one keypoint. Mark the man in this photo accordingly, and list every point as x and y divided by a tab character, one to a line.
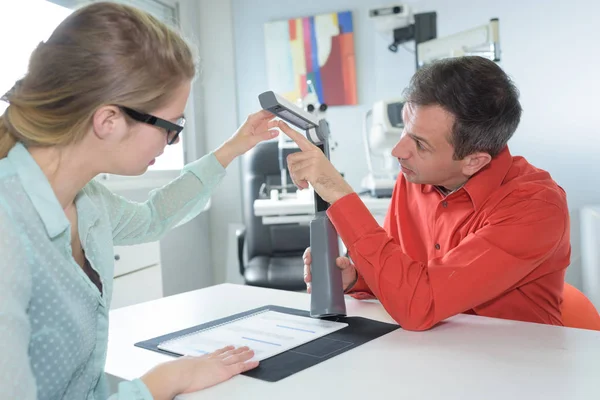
470	229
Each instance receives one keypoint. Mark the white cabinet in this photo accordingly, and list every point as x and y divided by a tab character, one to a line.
138	274
137	287
133	258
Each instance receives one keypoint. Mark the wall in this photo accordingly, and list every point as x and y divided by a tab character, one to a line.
218	112
548	49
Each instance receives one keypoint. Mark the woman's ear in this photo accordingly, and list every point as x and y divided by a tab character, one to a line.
106	122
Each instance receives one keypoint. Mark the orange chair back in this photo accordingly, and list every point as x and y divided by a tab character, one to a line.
578	311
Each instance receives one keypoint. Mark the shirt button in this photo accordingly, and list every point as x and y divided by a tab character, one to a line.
444	204
437	246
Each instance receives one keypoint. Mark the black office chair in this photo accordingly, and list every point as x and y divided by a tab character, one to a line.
274	252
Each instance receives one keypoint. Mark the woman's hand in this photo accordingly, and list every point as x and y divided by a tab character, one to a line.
253	131
190	374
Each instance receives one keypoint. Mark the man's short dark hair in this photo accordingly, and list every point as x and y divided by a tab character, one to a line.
478	93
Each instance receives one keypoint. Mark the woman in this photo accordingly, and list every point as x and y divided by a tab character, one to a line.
104	94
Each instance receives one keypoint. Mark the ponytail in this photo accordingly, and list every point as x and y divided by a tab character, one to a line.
7	140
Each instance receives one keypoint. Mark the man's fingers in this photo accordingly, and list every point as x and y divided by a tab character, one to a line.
342	262
302	172
301	168
307	261
300	140
307	274
301	156
306	254
301	184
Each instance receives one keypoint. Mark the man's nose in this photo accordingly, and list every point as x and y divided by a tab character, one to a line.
401	150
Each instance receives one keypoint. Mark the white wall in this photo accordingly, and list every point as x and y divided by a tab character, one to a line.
548	47
218	111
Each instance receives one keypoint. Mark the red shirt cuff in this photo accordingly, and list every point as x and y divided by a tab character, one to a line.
361	290
351	219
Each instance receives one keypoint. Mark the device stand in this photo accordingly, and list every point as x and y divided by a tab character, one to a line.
327	294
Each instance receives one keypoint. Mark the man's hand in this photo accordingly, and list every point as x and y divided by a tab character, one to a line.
311	166
349	274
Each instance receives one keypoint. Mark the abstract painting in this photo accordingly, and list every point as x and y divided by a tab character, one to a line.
317	50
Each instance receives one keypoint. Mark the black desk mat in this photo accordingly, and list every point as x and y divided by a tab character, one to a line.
359	331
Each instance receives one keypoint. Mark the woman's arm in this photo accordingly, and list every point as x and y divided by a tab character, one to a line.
169	206
185	197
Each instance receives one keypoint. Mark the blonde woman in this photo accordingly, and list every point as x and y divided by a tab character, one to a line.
104	94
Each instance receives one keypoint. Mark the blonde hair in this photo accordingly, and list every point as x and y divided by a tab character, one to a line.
104	53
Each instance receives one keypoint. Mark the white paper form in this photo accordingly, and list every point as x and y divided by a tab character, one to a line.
268	333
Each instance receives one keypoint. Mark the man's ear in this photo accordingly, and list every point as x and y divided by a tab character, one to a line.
105	121
473	163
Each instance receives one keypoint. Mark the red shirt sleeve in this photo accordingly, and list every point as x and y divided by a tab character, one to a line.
361	290
485	264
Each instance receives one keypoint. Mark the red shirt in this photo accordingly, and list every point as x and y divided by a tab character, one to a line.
499	247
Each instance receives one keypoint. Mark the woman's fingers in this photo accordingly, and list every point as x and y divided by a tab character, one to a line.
221	351
241	367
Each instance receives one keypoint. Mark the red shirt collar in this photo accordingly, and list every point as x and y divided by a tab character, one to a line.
484	182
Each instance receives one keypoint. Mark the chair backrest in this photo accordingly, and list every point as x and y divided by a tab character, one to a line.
578	311
261	166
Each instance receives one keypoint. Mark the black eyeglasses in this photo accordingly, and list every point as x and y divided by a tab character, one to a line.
173	130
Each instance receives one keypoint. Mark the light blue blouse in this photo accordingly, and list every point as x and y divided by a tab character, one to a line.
53	319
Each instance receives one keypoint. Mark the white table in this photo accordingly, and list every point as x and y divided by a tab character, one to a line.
301	210
466	357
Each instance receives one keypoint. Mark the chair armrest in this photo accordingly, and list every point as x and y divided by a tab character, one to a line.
241	238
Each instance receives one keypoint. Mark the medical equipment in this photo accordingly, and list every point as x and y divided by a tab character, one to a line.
310	103
482	41
388	19
379	140
400	22
404	25
327	295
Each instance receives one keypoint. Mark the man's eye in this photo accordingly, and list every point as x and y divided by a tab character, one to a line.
419	145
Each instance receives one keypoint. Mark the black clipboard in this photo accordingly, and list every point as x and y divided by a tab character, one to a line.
359	331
